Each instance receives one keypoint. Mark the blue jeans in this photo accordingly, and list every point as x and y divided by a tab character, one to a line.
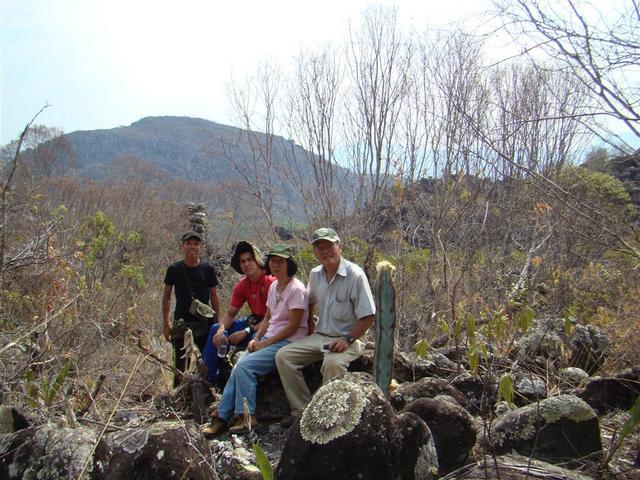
244	378
210	354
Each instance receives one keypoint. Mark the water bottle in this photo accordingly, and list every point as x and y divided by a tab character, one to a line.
222	349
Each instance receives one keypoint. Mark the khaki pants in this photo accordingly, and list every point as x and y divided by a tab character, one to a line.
300	353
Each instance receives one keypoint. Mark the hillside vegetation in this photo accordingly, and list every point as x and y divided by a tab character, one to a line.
466	178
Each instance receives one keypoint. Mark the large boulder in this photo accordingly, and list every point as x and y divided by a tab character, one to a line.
453	429
608	393
557	429
349	431
480	392
427	387
50	451
161	450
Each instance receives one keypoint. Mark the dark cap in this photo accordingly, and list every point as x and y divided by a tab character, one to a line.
325	234
243	247
192	234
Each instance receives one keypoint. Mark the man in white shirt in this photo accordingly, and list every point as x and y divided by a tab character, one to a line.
346	310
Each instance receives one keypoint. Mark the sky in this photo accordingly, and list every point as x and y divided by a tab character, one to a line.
103	64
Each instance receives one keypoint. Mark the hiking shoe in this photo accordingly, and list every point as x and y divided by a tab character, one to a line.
240	426
287	421
216	427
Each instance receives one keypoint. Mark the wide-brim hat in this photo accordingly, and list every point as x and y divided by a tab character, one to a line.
243	247
284	251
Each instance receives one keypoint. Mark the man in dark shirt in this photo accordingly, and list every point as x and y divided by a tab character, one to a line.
191	278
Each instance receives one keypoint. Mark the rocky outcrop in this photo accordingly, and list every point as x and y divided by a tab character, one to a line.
349	430
408	367
161	450
453	429
548	341
428	387
557	429
52	452
608	393
480	392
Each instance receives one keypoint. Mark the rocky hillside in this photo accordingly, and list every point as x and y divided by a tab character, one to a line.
186	148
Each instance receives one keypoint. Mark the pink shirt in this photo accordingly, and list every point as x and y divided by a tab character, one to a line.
294	296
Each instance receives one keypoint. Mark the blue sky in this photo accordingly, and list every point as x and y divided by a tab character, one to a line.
101	64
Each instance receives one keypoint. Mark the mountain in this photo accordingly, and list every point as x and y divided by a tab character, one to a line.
184	148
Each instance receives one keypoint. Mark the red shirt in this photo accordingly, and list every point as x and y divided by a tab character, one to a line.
255	294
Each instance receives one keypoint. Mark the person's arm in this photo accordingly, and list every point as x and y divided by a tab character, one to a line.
262	329
166	307
225	323
362	325
215	301
311	324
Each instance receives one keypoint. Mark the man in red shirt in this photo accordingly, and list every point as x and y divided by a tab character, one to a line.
252	289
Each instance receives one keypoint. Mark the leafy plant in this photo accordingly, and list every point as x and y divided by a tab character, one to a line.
266	470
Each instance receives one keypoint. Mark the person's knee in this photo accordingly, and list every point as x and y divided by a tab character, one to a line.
281	358
332	366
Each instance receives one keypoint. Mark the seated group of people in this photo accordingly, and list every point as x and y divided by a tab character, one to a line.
280	332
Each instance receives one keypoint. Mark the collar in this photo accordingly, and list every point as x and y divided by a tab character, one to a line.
342	268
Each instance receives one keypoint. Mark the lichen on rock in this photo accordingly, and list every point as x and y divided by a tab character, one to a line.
525	422
334	411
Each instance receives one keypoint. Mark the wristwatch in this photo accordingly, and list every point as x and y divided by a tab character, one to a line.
349	339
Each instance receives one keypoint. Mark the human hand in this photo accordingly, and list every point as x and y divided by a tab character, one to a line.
252	346
237	337
167	330
339	345
217	338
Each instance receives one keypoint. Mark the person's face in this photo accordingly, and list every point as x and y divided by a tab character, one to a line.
191	247
248	265
278	266
327	253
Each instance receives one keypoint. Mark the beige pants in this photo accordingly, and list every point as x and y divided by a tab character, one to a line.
291	358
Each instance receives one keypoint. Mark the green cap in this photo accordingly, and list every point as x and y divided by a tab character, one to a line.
280	250
325	234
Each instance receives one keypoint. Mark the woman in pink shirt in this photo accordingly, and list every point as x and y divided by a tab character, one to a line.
285	321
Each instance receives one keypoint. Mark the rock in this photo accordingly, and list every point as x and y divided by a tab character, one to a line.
350	431
557	429
427	387
480	392
547	339
515	467
11	419
572	377
408	367
589	347
453	429
544	338
607	393
52	452
271	402
160	450
529	388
